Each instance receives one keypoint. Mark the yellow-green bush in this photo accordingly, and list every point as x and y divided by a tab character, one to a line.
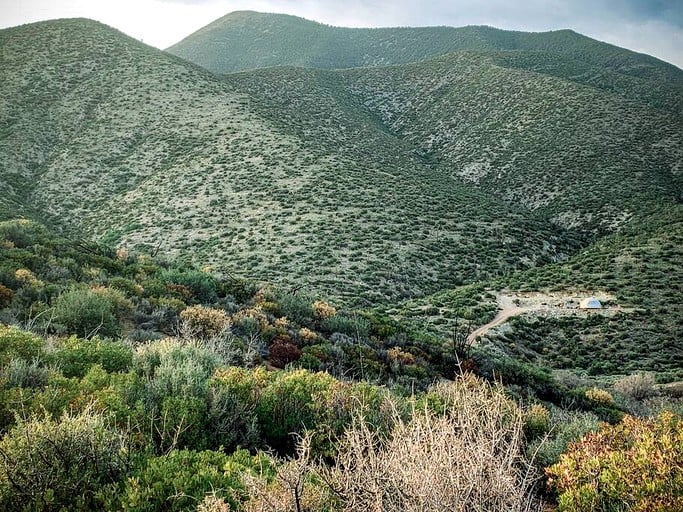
15	343
599	396
536	421
323	310
636	465
59	464
204	322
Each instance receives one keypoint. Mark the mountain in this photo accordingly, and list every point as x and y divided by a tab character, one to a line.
246	40
108	138
567	153
368	186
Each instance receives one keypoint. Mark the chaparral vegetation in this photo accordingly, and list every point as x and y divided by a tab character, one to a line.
342	276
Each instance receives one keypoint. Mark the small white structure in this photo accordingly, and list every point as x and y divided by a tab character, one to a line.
590	303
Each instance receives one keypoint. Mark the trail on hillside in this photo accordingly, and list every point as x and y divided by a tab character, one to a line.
501	317
509	309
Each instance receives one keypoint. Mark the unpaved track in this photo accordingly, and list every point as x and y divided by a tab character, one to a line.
501	317
509	309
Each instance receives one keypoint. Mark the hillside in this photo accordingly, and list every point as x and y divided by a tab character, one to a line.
108	138
572	153
296	288
641	268
366	186
246	40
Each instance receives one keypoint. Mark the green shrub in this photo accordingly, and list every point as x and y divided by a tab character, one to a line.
15	343
125	285
203	285
565	427
356	327
181	479
85	313
290	404
232	421
75	356
22	232
296	307
175	392
59	464
172	367
181	424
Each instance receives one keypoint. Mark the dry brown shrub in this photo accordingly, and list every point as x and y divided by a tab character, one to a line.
294	488
212	503
469	457
264	294
122	254
281	322
638	386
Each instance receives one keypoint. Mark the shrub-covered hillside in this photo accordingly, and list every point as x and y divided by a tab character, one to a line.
138	384
117	142
248	40
640	267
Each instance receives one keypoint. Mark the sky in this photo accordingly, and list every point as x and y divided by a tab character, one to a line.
654	27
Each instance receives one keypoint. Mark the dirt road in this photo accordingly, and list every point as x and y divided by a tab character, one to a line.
501	317
544	304
509	309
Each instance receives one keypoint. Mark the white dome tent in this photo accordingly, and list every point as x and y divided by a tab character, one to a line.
590	303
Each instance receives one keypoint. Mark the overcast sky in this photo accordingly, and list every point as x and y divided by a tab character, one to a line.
649	26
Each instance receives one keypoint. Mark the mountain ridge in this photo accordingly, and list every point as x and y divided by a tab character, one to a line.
332	43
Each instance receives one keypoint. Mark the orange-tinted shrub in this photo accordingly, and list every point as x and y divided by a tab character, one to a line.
635	465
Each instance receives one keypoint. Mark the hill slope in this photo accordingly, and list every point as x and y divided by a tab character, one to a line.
111	139
640	268
366	186
583	158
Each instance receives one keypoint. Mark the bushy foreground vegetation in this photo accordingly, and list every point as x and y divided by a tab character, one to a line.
635	465
140	385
